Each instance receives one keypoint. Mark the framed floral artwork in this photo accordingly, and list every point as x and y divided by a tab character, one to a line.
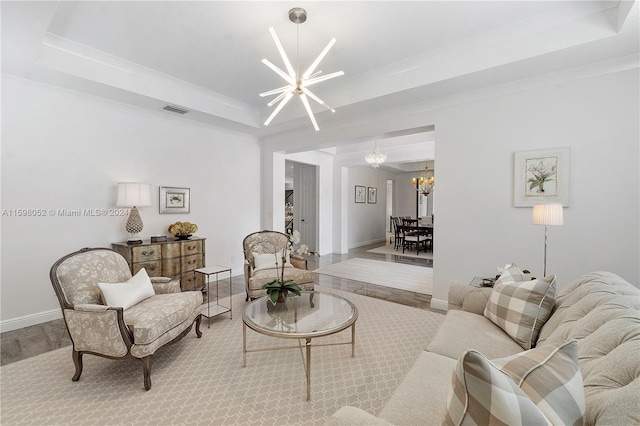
372	195
174	200
361	195
541	177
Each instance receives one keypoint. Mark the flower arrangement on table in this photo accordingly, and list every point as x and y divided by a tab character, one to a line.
183	230
278	289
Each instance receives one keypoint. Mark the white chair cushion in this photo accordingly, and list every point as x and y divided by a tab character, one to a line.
268	261
127	294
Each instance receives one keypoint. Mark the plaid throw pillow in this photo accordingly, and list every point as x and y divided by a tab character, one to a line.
519	307
549	375
481	394
541	386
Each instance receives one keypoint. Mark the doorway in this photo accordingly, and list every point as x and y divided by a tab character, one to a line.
301	210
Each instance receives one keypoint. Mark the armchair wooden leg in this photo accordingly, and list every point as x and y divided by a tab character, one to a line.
146	371
77	361
198	321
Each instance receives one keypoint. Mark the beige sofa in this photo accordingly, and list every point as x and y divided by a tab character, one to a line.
600	310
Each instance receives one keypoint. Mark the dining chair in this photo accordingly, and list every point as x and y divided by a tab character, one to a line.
397	232
414	235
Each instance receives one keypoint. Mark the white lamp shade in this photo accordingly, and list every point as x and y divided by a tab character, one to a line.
133	194
548	214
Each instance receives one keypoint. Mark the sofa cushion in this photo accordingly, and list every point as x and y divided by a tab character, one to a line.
521	308
461	331
127	294
151	318
421	397
539	386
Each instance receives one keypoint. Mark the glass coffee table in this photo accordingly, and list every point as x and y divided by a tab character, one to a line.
313	314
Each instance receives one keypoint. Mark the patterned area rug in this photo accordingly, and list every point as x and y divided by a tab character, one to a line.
418	279
202	381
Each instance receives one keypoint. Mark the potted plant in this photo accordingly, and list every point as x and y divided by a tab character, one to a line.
279	288
183	230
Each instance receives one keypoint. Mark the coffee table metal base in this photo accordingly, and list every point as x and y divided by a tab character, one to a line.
308	346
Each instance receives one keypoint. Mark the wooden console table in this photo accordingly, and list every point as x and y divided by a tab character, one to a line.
174	259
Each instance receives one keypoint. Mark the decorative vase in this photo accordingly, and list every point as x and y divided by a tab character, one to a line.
180	237
282	297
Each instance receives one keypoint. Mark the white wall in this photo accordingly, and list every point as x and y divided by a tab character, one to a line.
593	110
62	150
367	222
477	227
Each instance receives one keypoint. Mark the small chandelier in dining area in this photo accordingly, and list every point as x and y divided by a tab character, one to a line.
425	183
376	157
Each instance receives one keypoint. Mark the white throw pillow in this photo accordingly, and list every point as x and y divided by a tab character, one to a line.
268	261
125	295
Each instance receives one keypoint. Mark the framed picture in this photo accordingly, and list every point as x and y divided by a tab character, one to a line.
174	200
541	176
361	194
372	195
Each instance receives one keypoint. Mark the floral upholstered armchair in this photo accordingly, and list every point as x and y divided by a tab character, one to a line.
111	314
262	251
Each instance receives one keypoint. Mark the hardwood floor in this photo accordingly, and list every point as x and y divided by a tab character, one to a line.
34	340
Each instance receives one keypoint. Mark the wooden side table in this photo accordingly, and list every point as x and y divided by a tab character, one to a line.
215	308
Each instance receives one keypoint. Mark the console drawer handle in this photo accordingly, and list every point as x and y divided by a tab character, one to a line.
146	253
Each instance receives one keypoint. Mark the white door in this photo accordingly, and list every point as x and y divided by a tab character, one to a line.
306	191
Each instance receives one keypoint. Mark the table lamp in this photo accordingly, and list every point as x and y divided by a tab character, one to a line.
134	195
547	215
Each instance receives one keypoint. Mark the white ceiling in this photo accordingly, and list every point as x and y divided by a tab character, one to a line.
205	56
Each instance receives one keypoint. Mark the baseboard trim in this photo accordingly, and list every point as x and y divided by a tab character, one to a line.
366	243
28	320
441	305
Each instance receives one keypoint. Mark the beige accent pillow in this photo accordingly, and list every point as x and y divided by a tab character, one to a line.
519	307
125	295
541	386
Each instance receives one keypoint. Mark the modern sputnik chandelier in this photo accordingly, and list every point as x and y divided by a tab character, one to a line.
297	84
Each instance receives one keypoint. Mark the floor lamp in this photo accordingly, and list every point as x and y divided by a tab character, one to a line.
547	215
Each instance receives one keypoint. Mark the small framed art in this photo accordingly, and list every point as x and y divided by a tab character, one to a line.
174	200
361	194
372	195
541	177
